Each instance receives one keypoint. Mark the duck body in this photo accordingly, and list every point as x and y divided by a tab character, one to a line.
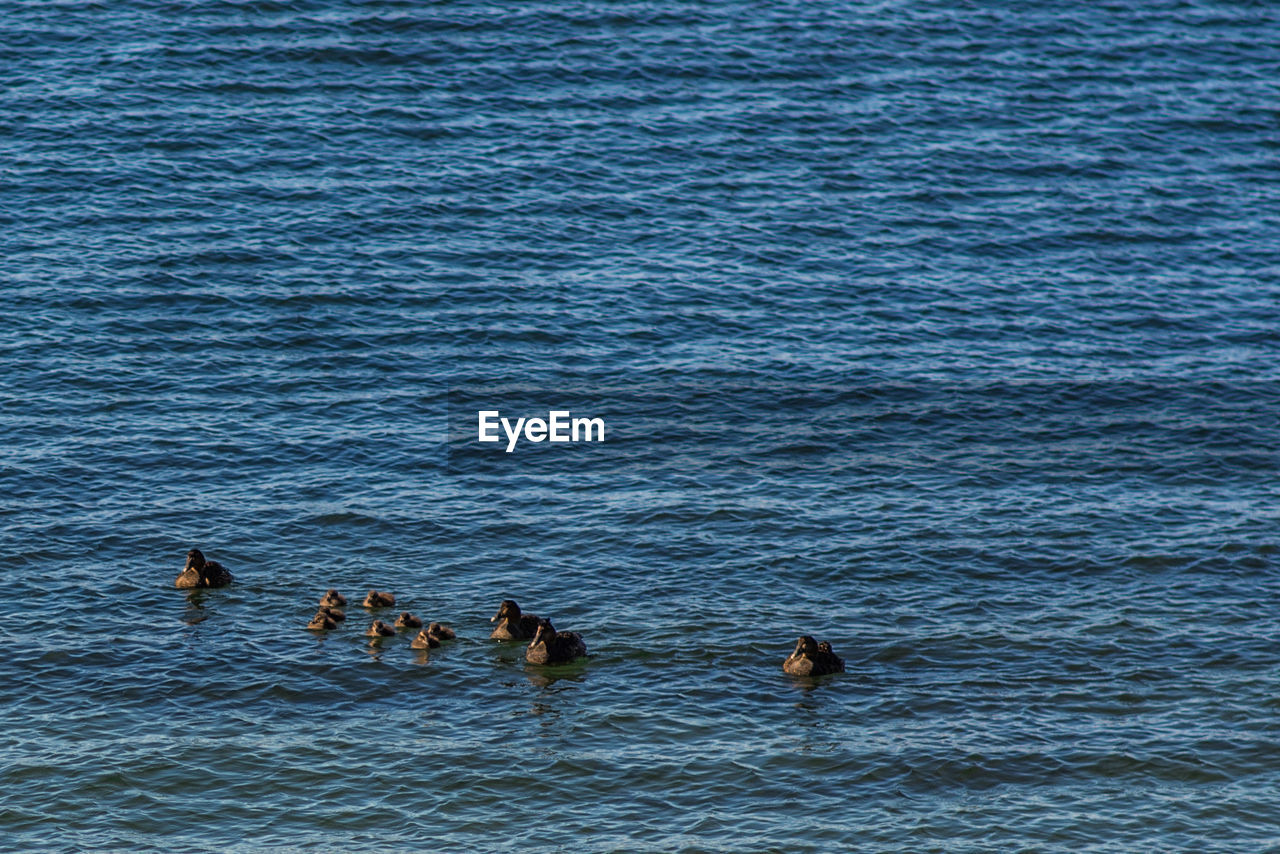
512	623
441	632
424	640
380	629
811	658
408	621
202	573
377	599
552	647
335	614
333	598
432	636
322	622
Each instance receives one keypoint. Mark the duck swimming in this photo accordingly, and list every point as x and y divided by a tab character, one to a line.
441	632
811	658
408	621
552	647
335	614
432	636
202	573
333	598
380	629
376	599
513	625
322	622
425	640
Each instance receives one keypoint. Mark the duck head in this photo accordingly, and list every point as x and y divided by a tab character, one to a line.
195	560
508	610
806	647
546	632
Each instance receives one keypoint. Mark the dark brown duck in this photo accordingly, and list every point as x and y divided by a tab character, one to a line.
202	573
552	647
512	624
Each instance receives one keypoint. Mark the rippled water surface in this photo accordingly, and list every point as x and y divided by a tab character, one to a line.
946	332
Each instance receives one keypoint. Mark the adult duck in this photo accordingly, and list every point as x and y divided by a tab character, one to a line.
202	573
512	624
811	658
552	647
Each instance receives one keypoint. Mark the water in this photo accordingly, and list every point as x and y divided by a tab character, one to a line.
945	332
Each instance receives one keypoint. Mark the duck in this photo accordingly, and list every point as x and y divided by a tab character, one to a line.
335	614
380	629
333	598
202	573
322	622
425	640
513	625
408	621
441	632
376	599
552	647
811	658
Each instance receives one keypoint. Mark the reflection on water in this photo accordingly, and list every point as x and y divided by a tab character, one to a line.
195	611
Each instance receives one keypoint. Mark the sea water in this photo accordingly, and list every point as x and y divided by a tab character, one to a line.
945	332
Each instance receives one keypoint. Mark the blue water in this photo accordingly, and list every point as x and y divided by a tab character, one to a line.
946	332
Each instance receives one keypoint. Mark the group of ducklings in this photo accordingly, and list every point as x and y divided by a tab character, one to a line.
546	645
330	614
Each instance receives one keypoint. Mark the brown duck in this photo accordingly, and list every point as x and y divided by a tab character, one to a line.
376	599
202	573
380	629
513	625
333	599
322	622
811	658
432	636
335	614
408	621
552	647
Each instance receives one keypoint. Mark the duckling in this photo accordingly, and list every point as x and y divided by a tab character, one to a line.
322	622
202	573
513	625
810	659
376	599
408	621
441	632
335	614
552	647
380	629
425	640
333	598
